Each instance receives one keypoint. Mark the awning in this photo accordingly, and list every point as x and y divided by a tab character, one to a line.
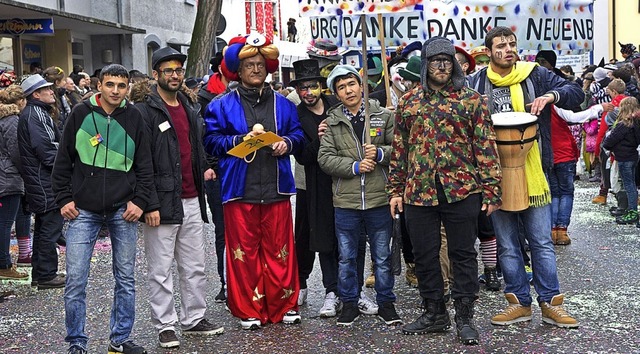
63	20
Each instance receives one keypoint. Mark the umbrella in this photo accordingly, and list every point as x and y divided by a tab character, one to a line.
396	246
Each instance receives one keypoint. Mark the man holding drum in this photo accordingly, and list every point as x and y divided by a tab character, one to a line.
514	86
444	169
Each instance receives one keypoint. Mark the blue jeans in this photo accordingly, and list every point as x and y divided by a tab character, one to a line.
561	184
81	239
627	171
9	206
537	231
378	225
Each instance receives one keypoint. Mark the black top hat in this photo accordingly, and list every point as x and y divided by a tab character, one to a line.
165	54
306	70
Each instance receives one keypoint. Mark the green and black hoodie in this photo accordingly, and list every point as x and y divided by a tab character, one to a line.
104	160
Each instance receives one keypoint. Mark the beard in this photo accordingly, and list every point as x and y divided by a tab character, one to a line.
164	84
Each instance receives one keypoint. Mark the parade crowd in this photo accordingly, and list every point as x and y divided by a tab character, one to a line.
423	161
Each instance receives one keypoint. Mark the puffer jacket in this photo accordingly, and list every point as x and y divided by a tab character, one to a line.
340	149
38	139
165	150
10	180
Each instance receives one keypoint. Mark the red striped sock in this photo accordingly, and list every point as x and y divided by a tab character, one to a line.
489	249
24	246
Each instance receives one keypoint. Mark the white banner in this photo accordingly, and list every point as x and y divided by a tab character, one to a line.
354	7
565	26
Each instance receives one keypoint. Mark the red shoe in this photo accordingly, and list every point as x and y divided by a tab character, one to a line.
24	261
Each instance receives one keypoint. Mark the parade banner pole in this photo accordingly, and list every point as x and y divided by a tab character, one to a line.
383	57
365	79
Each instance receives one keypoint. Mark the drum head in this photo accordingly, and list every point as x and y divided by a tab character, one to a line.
511	119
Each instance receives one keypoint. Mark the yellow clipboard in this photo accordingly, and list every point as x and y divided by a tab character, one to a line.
257	142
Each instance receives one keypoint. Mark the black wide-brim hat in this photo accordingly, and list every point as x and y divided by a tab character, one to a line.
324	49
306	70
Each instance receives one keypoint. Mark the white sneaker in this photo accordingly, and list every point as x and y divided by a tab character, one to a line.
366	306
332	305
250	323
302	296
292	317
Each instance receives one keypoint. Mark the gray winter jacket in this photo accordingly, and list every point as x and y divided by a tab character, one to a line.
10	181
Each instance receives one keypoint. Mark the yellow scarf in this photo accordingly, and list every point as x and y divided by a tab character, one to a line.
537	186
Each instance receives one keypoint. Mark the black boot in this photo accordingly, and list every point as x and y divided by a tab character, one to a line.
467	332
492	282
434	319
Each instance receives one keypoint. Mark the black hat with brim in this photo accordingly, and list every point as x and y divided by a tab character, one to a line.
165	54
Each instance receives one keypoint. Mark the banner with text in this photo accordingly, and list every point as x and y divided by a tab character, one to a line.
354	7
565	26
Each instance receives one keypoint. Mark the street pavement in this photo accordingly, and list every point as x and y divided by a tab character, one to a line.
598	274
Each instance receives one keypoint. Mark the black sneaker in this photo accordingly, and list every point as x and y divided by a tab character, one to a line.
74	349
387	313
168	339
350	312
128	347
222	296
203	328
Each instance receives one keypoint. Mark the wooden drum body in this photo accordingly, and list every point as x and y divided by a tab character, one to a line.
515	134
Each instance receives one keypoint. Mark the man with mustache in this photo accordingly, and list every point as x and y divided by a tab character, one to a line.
175	231
513	86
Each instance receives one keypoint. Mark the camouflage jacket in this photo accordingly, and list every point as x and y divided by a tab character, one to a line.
444	134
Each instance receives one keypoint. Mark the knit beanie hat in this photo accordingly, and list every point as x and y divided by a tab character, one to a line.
548	55
440	45
600	74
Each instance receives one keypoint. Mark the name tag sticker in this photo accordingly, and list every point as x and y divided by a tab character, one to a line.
164	126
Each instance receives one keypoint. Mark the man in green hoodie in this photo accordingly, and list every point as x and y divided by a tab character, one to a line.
103	174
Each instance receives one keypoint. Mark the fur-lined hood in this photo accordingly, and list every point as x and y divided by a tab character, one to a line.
7	110
142	88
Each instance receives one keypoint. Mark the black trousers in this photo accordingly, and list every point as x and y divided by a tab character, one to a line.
214	198
46	232
306	257
460	221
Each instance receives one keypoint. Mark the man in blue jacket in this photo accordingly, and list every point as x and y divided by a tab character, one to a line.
262	279
513	86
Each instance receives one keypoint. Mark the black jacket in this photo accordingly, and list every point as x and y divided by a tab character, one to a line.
318	184
165	150
38	138
623	142
101	178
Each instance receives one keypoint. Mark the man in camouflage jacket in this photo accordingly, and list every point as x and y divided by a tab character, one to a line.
444	168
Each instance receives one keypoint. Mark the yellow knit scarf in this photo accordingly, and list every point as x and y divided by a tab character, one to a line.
538	188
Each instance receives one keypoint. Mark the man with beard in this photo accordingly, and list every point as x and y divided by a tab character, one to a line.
176	230
444	169
262	279
312	112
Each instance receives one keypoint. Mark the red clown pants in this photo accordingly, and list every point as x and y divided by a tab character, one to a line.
262	272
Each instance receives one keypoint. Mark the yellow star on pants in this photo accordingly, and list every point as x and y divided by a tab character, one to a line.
256	295
238	254
287	293
283	254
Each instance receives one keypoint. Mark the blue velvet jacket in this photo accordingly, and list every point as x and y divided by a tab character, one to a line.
226	125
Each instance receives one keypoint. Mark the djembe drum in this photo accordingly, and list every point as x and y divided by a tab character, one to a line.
515	134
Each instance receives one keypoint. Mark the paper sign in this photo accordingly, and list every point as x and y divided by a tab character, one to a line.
257	142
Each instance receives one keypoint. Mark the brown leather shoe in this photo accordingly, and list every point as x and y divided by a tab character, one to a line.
562	239
554	235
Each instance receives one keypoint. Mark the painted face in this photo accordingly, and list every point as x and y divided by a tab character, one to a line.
309	92
253	72
349	92
170	75
113	90
504	51
439	70
462	60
